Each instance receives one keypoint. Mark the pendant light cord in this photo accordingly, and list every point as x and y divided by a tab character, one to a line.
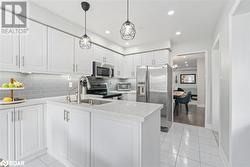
85	23
127	10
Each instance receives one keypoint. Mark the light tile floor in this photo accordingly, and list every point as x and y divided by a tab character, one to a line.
183	146
189	146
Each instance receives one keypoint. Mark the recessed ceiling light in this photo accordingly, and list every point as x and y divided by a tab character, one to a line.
184	57
107	32
186	62
127	43
171	12
178	33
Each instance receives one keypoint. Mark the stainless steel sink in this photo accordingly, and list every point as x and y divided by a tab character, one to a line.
93	101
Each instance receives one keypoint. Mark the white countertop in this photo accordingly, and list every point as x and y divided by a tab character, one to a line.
134	110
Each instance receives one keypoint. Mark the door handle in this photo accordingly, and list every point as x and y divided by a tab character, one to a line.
22	60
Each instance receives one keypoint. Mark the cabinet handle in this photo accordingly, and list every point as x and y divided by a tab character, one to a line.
64	115
22	60
68	116
12	116
17	60
76	68
18	115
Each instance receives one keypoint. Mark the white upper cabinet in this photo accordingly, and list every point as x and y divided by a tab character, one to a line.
9	52
148	58
137	62
60	52
103	55
83	59
128	66
33	48
118	65
161	57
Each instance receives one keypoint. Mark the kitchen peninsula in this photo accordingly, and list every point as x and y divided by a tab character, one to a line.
95	133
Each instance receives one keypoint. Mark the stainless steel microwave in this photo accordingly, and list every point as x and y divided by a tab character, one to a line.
102	70
124	86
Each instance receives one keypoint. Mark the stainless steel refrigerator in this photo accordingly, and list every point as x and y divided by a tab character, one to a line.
154	85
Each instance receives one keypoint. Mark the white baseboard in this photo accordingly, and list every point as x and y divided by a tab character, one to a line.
224	158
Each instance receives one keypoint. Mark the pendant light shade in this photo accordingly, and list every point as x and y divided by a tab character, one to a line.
85	41
128	28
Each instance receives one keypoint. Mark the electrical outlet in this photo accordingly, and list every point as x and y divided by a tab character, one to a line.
70	84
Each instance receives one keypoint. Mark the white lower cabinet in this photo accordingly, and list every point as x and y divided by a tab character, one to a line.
68	135
7	134
22	132
29	129
115	142
129	96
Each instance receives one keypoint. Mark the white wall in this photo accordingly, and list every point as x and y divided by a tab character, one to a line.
241	90
45	16
222	29
201	91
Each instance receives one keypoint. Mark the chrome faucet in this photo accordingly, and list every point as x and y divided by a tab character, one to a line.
82	82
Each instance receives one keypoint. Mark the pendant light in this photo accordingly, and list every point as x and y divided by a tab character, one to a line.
128	29
85	41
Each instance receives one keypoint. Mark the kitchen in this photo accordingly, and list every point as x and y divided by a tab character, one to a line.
80	90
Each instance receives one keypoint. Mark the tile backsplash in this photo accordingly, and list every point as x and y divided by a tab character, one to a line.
45	85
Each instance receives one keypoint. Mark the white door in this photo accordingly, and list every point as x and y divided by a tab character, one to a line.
161	57
9	53
60	52
83	59
7	134
147	59
114	143
33	48
29	130
79	138
57	131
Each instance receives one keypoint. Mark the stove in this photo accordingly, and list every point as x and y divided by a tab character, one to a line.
98	86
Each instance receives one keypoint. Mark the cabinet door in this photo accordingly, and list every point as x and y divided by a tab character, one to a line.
83	59
60	52
109	57
128	67
9	52
131	97
7	134
161	57
98	54
56	132
114	143
137	62
119	63
33	48
79	138
29	130
148	59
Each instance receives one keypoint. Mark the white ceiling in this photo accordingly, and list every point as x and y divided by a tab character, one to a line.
196	19
190	59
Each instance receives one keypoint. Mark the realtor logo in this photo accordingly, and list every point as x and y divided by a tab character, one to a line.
3	163
14	14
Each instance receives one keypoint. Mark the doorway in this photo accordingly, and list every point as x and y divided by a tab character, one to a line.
189	88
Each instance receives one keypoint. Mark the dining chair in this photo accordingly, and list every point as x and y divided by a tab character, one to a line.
183	100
